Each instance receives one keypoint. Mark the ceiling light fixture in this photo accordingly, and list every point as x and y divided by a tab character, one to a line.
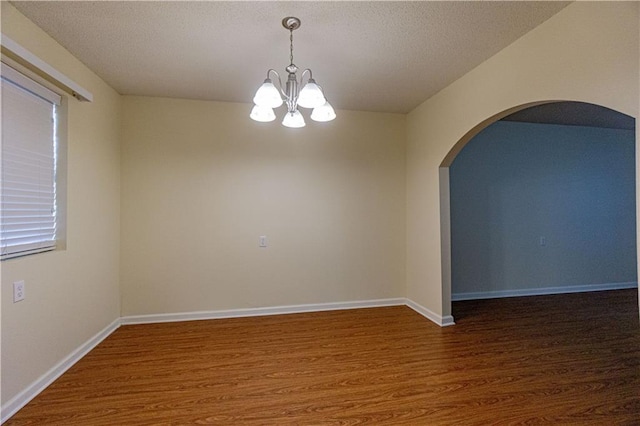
269	97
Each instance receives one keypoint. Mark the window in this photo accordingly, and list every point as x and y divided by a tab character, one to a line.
29	152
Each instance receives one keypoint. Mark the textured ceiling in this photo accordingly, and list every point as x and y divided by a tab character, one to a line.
369	56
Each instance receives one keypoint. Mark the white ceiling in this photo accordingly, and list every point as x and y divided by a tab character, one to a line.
369	56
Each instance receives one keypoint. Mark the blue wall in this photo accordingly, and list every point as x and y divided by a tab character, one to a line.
538	205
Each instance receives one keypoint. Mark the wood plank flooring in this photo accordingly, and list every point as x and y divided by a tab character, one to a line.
563	359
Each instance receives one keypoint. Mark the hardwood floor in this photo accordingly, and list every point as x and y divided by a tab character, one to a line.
563	359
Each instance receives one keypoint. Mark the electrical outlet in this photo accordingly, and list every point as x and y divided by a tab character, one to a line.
18	291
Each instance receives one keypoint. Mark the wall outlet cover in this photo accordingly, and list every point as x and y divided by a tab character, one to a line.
18	291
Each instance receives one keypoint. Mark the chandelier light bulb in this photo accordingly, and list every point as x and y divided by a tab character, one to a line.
293	120
267	95
262	114
311	95
323	113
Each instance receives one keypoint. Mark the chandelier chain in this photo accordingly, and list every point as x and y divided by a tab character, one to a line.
291	46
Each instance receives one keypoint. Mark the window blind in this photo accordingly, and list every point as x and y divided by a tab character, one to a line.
28	178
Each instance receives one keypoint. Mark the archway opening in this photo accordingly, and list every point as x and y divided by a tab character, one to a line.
541	213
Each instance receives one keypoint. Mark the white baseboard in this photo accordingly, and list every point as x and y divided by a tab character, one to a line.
430	315
17	402
541	291
255	312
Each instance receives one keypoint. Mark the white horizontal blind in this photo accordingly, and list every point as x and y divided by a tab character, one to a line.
28	201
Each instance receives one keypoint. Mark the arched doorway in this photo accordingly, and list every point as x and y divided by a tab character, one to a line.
554	112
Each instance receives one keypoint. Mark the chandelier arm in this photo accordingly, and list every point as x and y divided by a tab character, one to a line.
303	73
271	70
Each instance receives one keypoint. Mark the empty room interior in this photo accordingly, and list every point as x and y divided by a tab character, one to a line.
437	225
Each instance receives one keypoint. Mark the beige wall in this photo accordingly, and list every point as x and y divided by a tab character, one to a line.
587	52
71	294
202	182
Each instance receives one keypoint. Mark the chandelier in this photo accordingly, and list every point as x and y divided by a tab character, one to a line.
269	97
